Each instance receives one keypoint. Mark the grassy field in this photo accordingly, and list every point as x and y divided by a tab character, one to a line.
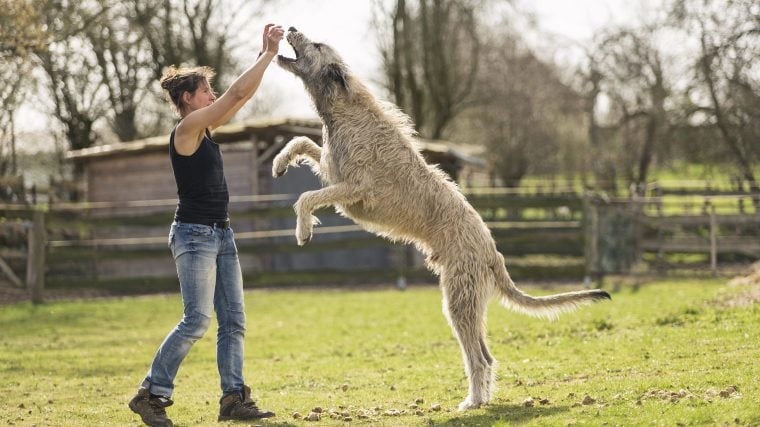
666	353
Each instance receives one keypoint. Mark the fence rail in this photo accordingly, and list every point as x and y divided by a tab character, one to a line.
567	234
703	245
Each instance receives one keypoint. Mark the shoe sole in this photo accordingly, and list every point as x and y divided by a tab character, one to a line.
231	418
133	409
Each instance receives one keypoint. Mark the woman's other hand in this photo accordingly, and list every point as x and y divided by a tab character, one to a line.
273	36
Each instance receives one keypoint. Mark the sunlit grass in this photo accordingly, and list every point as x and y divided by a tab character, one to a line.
370	352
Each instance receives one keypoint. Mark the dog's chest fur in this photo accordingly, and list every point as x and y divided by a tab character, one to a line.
344	158
329	163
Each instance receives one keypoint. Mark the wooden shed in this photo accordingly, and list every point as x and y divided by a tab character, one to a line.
132	185
141	170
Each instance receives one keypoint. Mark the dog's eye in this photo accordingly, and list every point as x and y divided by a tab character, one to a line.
318	46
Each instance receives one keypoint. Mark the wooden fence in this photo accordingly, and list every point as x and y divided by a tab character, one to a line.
679	230
545	234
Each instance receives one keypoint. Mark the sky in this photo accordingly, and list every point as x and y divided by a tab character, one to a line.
346	25
577	19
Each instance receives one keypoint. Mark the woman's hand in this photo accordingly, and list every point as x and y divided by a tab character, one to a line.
264	41
194	124
273	34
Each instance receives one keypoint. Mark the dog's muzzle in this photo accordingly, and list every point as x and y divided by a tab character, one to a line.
284	59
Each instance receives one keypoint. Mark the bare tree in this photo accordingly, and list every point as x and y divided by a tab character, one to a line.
71	69
14	71
631	72
601	157
53	41
160	22
20	34
726	90
100	60
135	40
479	83
526	117
197	32
121	59
120	49
430	60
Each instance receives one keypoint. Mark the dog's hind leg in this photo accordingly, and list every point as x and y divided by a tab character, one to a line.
338	194
297	149
464	306
490	370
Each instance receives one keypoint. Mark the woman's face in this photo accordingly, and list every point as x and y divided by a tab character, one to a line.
202	97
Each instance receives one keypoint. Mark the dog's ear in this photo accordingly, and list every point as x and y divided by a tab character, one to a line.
337	73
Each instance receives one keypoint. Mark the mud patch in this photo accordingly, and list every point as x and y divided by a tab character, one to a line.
671	396
750	289
12	295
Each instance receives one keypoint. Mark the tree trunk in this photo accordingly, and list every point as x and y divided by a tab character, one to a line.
733	144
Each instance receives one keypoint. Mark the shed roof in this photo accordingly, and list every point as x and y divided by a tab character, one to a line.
228	133
242	131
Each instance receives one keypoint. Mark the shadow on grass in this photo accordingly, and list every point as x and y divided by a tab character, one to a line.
508	414
259	422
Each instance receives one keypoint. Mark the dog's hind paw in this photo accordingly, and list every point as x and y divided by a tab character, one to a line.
469	404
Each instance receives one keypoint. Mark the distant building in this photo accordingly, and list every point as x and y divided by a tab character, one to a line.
136	179
141	170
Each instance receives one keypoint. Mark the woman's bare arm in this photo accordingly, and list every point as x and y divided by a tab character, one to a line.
190	130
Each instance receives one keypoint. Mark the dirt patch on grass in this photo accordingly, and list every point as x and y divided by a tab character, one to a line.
750	292
350	413
743	299
11	295
751	278
709	395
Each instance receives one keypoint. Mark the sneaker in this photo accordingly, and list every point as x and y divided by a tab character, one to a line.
151	408
236	407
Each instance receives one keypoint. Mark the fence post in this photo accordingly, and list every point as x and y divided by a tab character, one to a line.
35	262
591	236
255	163
402	262
8	271
713	241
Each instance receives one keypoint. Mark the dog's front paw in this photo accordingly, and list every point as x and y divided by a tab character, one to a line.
304	230
279	166
303	235
303	241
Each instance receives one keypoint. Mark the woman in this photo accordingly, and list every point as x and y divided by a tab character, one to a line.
202	241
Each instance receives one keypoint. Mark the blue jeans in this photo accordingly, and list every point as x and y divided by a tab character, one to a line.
210	279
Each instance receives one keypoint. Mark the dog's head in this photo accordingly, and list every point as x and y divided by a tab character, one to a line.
317	64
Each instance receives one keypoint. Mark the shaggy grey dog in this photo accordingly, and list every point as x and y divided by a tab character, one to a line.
374	175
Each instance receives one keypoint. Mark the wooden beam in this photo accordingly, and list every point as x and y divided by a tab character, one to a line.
6	269
713	241
254	166
35	266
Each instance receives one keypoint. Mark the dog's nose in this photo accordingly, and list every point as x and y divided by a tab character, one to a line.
292	30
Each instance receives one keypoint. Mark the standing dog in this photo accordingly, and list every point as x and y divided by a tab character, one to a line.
374	175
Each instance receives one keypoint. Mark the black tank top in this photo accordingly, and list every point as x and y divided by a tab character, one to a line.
201	186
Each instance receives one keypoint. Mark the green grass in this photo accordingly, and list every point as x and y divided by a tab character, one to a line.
77	363
718	173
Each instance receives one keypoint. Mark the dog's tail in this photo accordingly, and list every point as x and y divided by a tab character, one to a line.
550	306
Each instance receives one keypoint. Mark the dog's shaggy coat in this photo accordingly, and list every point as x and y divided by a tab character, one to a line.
374	175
